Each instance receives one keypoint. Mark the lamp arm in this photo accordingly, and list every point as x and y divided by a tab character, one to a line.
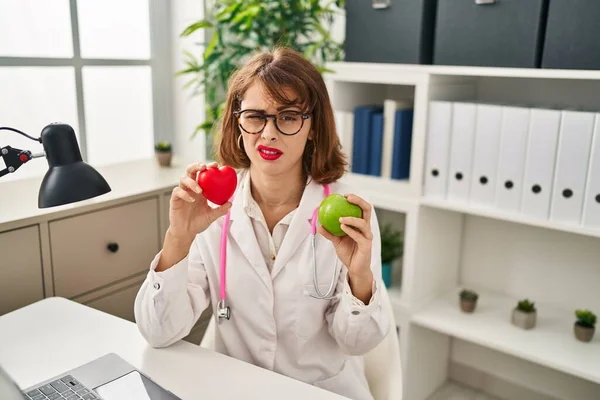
14	158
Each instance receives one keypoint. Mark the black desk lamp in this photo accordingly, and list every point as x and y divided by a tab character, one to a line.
68	179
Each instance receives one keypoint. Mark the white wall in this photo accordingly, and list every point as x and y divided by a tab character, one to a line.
188	111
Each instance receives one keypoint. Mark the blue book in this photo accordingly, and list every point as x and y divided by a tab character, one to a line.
376	143
361	137
403	127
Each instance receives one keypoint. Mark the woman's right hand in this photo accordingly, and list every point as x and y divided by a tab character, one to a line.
189	211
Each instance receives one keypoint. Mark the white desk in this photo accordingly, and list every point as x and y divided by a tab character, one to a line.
54	335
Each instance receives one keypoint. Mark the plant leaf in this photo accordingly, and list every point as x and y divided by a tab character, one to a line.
194	27
211	45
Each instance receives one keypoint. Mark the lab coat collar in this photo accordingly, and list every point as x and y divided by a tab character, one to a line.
243	233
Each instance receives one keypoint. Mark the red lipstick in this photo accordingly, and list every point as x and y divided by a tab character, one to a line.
269	153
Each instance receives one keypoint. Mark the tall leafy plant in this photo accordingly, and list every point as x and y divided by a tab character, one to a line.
238	28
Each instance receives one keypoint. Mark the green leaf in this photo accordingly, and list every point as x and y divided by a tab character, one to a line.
211	45
228	13
194	27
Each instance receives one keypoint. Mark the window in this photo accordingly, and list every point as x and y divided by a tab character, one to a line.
102	66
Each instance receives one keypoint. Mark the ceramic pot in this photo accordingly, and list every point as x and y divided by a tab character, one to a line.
386	272
164	158
583	333
524	320
468	306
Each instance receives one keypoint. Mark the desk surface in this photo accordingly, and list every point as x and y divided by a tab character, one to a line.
54	335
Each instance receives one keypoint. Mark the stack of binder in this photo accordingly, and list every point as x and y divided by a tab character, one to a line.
377	138
540	163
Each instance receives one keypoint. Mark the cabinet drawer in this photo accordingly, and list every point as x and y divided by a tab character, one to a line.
119	303
21	279
96	249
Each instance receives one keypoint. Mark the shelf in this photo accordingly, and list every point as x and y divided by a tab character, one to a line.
393	73
551	343
375	73
515	218
386	193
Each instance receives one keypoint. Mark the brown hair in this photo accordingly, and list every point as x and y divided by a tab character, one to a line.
278	69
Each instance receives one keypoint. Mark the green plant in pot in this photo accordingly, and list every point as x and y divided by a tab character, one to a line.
163	152
392	247
468	300
585	325
236	29
524	315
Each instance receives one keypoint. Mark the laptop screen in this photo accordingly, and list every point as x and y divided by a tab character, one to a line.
8	388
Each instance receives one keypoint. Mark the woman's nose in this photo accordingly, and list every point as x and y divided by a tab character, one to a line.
270	132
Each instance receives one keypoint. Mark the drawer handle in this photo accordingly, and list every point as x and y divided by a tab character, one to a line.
113	247
481	2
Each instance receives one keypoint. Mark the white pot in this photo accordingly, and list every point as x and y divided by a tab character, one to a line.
524	320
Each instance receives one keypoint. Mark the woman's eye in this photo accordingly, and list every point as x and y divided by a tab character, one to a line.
288	118
255	116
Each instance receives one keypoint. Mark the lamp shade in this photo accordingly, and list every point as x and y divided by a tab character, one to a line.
69	179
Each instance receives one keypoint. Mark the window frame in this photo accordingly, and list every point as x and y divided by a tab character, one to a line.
159	63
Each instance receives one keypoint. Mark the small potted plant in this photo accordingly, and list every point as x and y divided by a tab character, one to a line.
392	247
585	325
524	315
163	153
468	300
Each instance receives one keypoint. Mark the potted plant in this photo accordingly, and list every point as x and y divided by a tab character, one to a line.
392	247
585	325
163	153
524	315
468	300
235	29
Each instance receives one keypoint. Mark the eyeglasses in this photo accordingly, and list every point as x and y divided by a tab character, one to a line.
287	122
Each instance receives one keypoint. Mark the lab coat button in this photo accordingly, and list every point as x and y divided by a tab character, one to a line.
355	312
157	286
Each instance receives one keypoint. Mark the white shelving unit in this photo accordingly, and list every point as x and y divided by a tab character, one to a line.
504	256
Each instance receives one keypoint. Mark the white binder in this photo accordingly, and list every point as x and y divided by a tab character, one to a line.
575	139
438	145
344	121
591	206
461	151
485	154
539	163
511	160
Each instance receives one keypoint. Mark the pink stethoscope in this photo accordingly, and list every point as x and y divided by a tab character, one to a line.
224	312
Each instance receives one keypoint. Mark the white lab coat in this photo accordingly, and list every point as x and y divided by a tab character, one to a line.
274	323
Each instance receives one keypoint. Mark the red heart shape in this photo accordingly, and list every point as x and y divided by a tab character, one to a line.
218	184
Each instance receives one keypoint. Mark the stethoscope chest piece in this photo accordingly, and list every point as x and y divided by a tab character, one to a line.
223	311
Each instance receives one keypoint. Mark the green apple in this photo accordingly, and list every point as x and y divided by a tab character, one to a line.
332	208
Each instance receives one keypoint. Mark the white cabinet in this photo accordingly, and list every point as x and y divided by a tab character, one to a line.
118	303
21	279
93	250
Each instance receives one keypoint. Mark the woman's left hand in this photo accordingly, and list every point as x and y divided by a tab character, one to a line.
354	248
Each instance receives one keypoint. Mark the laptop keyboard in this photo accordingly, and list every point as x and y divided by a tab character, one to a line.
65	388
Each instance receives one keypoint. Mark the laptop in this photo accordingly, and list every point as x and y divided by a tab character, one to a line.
105	378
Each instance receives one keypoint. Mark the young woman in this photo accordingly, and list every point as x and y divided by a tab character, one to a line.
278	130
